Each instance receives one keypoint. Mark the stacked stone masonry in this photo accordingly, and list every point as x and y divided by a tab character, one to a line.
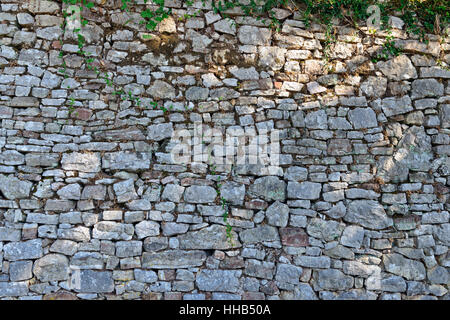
358	209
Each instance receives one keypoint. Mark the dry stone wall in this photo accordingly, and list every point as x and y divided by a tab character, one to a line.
91	206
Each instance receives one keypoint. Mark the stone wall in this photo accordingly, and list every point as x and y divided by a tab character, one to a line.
91	207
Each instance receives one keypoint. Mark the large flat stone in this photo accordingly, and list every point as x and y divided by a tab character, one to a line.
84	162
368	213
13	289
399	265
26	250
173	259
13	188
268	188
52	267
130	161
89	281
262	234
218	280
213	237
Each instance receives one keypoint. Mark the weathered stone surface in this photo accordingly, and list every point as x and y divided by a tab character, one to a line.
197	93
125	190
324	229
333	279
254	35
304	190
132	133
218	280
147	229
287	273
95	192
438	275
398	68
362	118
13	289
9	234
294	237
145	276
93	281
374	87
413	152
356	268
426	88
66	247
160	132
296	173
172	192
225	26
52	267
76	234
11	158
128	248
442	233
316	120
26	250
401	266
233	192
304	292
352	236
395	106
271	57
125	160
161	90
259	269
84	162
339	147
13	188
70	192
200	194
259	234
321	262
94	206
173	228
367	213
269	188
277	214
244	73
387	284
20	270
109	230
213	237
171	259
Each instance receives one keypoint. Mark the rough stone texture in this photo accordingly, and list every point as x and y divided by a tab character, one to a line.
173	259
218	280
278	214
269	188
52	267
398	68
368	213
213	237
304	190
93	206
200	194
407	268
93	281
13	188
